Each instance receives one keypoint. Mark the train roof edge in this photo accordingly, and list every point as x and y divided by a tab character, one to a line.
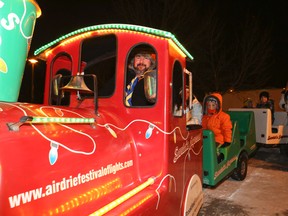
129	27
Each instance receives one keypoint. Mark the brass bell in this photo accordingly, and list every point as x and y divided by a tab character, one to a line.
77	83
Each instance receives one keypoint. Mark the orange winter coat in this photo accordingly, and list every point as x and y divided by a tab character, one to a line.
219	122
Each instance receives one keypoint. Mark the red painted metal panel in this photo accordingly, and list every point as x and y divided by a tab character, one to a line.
64	168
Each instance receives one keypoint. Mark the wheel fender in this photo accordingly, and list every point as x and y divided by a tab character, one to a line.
193	197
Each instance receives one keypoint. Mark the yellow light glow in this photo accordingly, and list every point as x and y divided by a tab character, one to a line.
89	196
32	61
176	48
123	198
136	205
70	40
107	31
47	53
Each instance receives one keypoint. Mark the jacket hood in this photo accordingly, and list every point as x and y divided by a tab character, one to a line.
216	97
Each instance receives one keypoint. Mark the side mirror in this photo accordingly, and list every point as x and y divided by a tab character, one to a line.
56	85
56	93
150	85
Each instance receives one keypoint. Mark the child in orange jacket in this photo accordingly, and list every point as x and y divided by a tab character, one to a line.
216	120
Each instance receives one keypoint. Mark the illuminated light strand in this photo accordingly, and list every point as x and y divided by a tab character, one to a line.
67	41
21	107
141	202
176	48
123	198
105	31
150	123
136	28
47	53
36	120
87	197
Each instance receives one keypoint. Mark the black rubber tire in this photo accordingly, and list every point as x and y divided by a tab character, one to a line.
284	149
240	171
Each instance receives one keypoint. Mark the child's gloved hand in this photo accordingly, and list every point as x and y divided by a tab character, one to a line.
225	144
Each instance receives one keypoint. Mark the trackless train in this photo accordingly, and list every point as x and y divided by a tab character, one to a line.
84	151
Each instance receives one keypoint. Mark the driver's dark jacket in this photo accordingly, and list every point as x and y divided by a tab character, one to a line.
138	96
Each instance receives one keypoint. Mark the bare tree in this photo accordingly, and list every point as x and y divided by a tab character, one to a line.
230	51
233	53
175	16
163	14
212	54
254	48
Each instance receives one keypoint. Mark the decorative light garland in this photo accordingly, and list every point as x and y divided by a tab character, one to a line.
147	30
37	119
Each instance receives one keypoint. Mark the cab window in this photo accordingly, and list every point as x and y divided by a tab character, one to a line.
141	77
98	57
61	67
177	93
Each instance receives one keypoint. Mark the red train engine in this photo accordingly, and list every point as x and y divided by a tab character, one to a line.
83	151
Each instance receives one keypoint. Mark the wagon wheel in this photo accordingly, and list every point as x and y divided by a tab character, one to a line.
240	171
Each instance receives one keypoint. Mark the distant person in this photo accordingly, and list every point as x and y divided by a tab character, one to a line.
266	102
248	103
141	63
197	111
283	103
193	115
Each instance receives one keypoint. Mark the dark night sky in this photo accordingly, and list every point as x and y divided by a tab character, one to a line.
60	17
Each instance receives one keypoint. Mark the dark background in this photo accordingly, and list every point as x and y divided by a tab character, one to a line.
212	31
59	18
